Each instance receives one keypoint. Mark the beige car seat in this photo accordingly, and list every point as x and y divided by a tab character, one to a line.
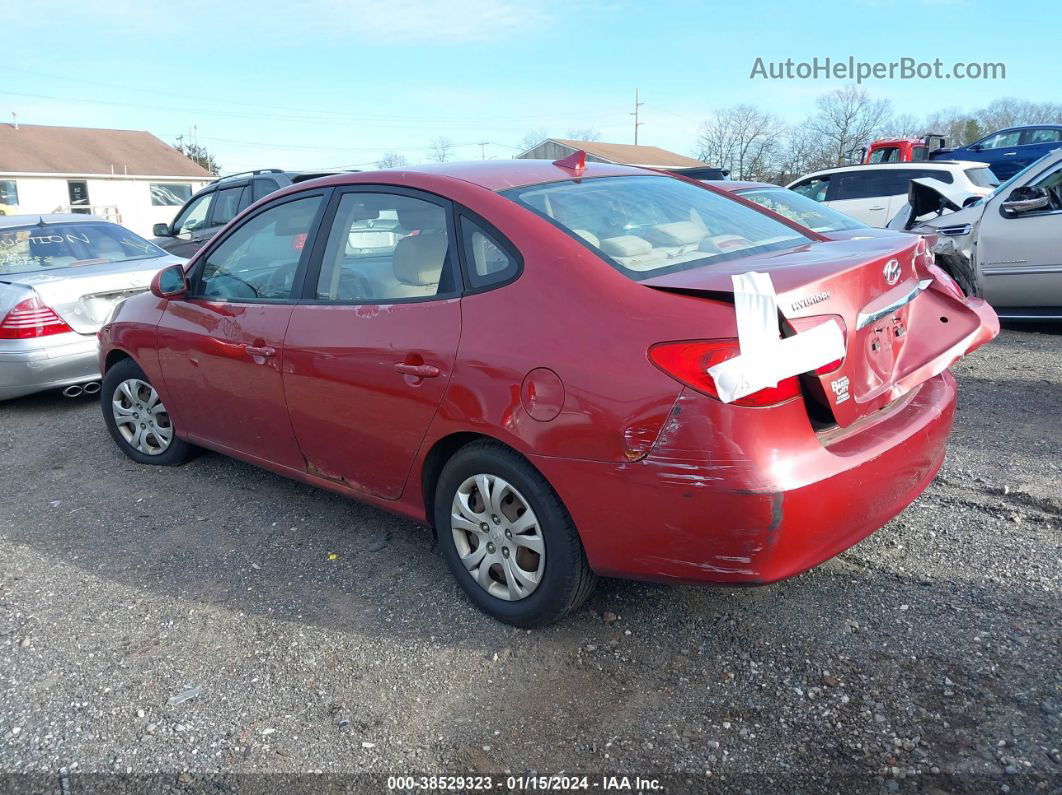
419	257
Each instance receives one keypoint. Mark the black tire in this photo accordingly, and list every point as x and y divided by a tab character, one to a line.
566	580
959	269
178	451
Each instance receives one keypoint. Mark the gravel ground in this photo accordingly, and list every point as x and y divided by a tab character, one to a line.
317	634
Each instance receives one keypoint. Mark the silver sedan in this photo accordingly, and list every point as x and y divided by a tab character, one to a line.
60	278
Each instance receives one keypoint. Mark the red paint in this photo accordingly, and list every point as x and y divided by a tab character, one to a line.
663	482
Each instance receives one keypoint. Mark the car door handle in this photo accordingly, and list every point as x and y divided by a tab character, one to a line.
877	208
1009	154
418	370
265	350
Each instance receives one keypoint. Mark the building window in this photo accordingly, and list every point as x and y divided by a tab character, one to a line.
169	194
8	192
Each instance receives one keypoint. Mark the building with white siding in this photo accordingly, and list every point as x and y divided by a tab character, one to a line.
128	176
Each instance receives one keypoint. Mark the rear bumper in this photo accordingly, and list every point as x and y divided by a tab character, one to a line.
28	366
763	503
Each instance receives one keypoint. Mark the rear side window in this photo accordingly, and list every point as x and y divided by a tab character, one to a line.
932	173
258	260
1041	136
488	261
982	177
814	188
263	187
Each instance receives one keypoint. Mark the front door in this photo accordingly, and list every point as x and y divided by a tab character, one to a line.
1018	254
369	352
222	349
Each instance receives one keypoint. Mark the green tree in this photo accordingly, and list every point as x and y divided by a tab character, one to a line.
198	154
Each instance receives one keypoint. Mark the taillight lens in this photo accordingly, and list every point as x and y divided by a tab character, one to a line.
31	318
688	362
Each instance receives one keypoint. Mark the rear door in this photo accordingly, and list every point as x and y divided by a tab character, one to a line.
221	349
370	350
862	194
1000	151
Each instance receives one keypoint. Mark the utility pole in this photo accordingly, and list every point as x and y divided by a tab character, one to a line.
482	149
637	123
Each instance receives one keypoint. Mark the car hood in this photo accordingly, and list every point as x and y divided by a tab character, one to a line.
83	296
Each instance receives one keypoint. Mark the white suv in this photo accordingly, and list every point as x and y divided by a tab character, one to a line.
874	193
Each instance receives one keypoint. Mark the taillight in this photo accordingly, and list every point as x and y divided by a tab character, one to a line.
31	318
688	362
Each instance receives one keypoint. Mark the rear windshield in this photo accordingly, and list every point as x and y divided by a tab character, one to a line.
645	226
982	177
30	249
798	207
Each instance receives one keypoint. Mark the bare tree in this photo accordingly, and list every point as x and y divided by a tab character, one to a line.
803	150
532	138
391	160
903	126
744	140
584	134
848	118
441	150
957	126
1010	112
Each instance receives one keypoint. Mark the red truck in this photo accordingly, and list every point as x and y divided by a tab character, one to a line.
902	150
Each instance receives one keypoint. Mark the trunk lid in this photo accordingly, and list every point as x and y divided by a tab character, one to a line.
83	296
903	321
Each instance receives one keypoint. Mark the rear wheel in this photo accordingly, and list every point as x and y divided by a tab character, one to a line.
508	539
137	419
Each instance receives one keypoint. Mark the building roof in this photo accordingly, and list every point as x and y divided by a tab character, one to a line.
631	155
38	149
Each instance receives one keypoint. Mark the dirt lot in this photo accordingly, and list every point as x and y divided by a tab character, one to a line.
926	658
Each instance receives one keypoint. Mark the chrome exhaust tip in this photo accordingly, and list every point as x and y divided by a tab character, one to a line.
91	388
72	391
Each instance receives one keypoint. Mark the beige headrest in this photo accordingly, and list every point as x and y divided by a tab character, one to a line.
419	259
589	237
625	246
678	233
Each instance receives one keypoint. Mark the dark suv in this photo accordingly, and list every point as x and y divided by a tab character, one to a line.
218	203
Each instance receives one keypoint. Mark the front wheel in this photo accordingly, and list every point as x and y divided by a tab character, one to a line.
137	419
508	539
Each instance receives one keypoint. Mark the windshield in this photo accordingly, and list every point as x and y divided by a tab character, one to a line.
797	207
31	249
647	226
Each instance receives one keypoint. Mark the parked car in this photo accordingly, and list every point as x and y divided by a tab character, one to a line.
1008	151
527	369
1006	247
200	218
701	172
60	278
801	209
873	193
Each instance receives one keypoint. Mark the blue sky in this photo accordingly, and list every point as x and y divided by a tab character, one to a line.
335	83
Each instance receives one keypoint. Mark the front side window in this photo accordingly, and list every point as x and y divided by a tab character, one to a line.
8	192
226	206
814	188
386	247
1000	140
646	226
195	215
1052	185
801	209
258	260
31	249
169	194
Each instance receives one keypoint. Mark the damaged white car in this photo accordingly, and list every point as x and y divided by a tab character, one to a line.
1005	247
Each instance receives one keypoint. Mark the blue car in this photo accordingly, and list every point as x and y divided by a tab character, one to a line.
1008	151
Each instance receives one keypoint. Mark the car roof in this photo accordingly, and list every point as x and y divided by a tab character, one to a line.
48	218
932	165
495	174
1025	127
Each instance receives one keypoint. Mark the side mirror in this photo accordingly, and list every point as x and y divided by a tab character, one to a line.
1026	199
161	230
170	283
975	147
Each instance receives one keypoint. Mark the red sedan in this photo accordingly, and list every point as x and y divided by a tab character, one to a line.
566	370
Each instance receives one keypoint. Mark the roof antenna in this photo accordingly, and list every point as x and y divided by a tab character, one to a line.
575	161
